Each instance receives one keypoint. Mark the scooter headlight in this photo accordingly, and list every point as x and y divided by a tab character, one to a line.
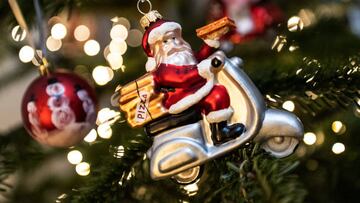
280	146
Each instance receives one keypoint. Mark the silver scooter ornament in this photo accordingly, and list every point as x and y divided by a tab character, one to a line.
181	151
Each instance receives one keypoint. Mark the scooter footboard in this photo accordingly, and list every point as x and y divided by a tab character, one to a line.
176	156
280	133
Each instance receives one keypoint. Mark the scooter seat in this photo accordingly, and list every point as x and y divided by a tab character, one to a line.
171	121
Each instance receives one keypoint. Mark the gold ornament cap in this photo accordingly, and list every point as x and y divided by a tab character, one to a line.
150	17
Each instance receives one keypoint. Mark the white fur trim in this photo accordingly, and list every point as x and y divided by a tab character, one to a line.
158	32
220	115
192	99
204	68
212	43
150	64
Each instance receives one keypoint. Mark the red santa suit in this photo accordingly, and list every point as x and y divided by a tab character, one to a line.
188	85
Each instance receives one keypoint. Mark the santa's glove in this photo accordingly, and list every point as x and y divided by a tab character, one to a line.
211	65
214	43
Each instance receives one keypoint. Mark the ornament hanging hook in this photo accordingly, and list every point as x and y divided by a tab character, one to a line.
44	67
143	1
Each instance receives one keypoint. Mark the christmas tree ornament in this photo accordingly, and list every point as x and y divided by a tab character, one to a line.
252	18
59	109
198	106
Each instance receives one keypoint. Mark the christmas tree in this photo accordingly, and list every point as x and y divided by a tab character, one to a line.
303	56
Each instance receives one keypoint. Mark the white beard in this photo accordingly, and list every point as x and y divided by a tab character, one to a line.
180	58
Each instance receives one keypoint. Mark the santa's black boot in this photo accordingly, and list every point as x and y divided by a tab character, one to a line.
222	132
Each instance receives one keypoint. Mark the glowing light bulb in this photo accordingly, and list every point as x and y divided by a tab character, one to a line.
289	105
91	137
338	127
118	46
83	169
74	157
26	54
295	24
102	75
53	44
58	31
81	33
18	34
115	60
119	32
309	138
91	47
338	148
104	131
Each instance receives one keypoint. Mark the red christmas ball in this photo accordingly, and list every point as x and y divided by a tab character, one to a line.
59	109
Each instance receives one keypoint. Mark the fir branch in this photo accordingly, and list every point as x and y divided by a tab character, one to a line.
110	177
316	86
257	177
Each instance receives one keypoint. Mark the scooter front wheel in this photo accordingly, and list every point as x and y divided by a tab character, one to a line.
189	176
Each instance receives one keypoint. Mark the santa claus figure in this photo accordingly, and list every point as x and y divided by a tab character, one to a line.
186	78
252	17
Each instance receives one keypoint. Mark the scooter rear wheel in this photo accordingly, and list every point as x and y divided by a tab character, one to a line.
189	176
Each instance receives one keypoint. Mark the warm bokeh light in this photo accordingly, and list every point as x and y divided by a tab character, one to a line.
91	47
83	169
119	32
289	105
81	33
123	68
135	38
105	115
102	75
18	34
26	54
58	31
293	48
106	51
295	24
75	157
104	131
191	189
115	60
91	137
307	16
119	152
338	148
53	44
279	43
338	127
123	21
118	46
309	138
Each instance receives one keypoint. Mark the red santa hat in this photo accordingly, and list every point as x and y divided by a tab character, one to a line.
153	33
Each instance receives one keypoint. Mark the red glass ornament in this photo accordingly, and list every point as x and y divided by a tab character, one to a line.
252	17
59	109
